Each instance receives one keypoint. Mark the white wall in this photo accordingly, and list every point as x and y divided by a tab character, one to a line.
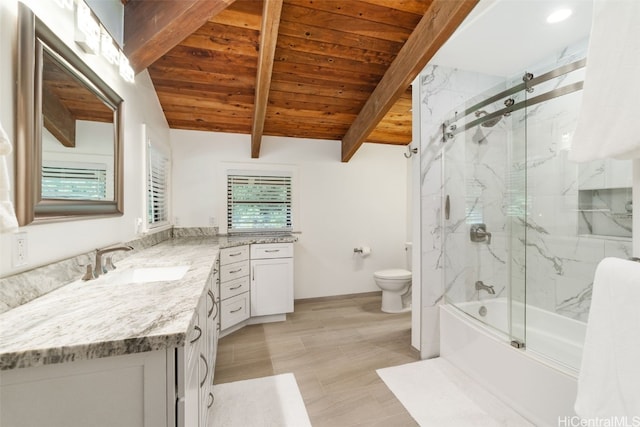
51	242
342	205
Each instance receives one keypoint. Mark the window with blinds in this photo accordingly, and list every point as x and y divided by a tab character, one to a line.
258	203
74	181
157	188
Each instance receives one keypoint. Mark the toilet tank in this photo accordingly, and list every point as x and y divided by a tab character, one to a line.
407	249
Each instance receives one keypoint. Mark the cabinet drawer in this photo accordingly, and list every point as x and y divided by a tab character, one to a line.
234	271
234	287
235	254
272	250
234	310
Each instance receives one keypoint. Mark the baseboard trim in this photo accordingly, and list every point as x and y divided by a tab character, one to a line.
338	297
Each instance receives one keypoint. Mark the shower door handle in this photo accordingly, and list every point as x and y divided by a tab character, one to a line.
478	233
447	207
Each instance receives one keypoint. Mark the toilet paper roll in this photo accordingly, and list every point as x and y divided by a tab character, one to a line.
366	251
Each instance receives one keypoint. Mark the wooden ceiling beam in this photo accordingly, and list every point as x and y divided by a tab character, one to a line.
58	119
271	12
436	26
152	28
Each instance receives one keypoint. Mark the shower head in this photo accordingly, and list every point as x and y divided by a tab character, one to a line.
491	122
478	137
487	123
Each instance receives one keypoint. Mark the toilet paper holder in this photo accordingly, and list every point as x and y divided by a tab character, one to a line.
364	251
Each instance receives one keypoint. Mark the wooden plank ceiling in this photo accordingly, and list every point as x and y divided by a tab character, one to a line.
328	57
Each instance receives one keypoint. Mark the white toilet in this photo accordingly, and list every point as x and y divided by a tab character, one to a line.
396	286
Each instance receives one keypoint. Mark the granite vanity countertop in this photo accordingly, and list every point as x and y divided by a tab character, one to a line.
92	319
250	239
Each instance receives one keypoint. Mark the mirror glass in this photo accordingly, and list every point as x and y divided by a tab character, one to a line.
77	137
68	151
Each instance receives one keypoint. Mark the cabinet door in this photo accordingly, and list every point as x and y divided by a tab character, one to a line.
128	390
271	286
206	310
188	361
213	311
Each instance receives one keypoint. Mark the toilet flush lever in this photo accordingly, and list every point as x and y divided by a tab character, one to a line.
478	233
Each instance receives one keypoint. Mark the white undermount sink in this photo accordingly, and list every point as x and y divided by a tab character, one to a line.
147	274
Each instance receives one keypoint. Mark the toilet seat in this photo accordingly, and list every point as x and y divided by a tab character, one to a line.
393	274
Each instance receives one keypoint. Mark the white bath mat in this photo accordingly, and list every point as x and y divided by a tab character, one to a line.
262	402
438	394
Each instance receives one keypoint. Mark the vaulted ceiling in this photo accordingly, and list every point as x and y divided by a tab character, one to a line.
318	69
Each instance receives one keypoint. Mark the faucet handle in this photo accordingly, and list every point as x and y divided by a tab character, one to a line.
103	267
479	233
88	275
108	264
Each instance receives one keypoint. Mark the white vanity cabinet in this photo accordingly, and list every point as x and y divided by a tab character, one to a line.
234	286
271	279
170	387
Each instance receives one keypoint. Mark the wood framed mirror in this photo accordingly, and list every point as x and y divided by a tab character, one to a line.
69	162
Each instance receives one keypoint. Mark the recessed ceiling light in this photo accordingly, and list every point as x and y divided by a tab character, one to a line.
559	15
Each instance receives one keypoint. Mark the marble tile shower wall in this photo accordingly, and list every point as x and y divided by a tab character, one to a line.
442	89
484	177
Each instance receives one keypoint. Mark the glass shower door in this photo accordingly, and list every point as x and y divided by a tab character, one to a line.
481	187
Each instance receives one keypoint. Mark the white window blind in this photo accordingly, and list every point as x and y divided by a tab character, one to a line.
74	181
157	185
258	203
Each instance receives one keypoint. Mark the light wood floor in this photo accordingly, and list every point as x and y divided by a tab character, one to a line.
333	347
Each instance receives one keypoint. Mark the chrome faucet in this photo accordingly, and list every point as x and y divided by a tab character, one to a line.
481	286
99	267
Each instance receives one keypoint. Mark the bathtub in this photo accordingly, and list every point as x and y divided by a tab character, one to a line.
549	335
530	380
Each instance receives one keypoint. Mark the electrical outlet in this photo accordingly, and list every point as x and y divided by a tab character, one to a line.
19	249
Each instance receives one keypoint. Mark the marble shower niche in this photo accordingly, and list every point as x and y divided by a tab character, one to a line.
604	198
605	212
